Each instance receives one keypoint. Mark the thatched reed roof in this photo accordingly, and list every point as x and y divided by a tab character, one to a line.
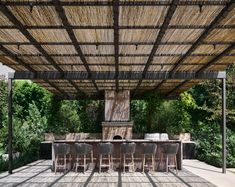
113	37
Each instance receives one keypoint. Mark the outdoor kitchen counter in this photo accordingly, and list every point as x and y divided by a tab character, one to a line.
117	143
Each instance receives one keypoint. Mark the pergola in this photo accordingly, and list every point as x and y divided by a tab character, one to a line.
79	49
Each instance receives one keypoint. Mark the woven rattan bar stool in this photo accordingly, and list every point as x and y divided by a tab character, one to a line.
82	150
127	149
170	150
149	150
105	149
62	155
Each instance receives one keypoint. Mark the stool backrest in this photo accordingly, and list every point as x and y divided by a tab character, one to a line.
149	148
83	148
171	148
105	148
61	148
128	148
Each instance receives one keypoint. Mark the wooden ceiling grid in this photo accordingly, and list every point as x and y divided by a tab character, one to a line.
122	39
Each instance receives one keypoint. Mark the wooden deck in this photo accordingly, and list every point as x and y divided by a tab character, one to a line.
39	174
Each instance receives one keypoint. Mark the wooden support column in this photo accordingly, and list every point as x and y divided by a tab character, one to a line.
10	129
224	125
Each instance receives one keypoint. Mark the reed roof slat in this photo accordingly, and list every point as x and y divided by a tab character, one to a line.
22	49
182	35
138	25
12	35
50	35
191	15
38	16
224	35
134	16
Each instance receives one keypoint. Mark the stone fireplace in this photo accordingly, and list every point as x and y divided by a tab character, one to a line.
117	116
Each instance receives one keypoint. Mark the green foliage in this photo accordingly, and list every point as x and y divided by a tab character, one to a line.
3	102
25	93
138	113
206	120
198	111
29	134
91	114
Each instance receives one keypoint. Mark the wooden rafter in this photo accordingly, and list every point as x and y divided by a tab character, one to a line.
112	43
123	75
22	63
26	33
116	39
210	63
41	27
109	3
223	13
63	17
160	35
113	55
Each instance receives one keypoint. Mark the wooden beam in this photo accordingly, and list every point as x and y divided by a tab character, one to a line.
210	63
120	64
120	43
18	60
25	32
10	127
15	58
45	27
116	39
113	55
160	35
223	13
109	3
123	75
64	19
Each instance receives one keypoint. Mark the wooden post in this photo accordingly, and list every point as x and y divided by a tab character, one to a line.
10	130
224	125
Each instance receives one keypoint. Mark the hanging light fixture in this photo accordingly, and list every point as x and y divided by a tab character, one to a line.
31	7
200	8
214	45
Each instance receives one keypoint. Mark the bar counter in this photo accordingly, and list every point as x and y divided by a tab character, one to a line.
116	154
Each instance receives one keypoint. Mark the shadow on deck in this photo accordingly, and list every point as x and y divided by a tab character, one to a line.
39	174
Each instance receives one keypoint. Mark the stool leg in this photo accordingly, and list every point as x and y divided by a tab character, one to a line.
124	162
76	164
153	162
100	163
70	162
120	164
65	162
143	163
84	163
167	163
160	163
92	159
109	162
176	167
133	162
55	164
112	161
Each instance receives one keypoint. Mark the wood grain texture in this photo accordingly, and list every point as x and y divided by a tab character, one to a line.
192	21
117	106
37	175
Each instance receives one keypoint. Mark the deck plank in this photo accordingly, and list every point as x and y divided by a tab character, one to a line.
39	174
